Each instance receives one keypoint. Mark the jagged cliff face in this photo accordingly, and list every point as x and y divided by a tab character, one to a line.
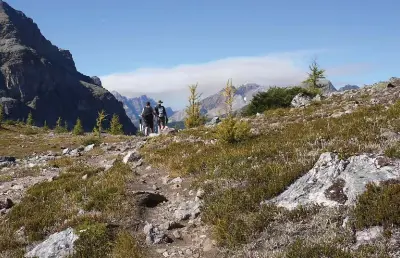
39	77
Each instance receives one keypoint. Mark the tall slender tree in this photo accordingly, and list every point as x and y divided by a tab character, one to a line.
29	120
99	122
194	118
314	75
115	125
229	93
78	128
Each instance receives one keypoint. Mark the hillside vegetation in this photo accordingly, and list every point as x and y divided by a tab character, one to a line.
117	193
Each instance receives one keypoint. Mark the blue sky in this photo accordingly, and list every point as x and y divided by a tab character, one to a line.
160	46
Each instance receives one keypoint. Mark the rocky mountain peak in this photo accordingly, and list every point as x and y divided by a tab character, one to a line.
37	76
17	31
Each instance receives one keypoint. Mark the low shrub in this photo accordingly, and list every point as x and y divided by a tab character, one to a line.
379	206
232	130
275	97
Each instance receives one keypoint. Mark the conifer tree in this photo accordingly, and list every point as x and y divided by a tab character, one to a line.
78	128
194	118
29	120
45	126
116	126
229	93
99	122
314	75
59	128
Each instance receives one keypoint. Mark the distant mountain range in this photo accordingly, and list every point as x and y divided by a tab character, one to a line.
349	87
214	105
134	106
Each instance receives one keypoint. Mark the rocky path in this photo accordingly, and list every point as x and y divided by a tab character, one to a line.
170	210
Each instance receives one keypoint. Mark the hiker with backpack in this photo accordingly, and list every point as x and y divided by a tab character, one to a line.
161	114
148	118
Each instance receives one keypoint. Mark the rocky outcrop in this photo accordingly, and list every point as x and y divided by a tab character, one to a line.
334	181
301	100
38	77
57	245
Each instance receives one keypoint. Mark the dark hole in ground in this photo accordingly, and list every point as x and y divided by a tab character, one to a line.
150	200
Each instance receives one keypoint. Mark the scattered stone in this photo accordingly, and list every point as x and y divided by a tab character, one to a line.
88	148
168	131
187	210
7	204
317	98
154	235
170	225
7	159
207	245
368	236
85	177
131	157
57	245
177	180
200	193
66	151
177	234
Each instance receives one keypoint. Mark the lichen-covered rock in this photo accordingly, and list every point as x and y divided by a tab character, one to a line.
301	100
334	181
57	245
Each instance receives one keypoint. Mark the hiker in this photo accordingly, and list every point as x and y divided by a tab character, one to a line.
161	114
148	118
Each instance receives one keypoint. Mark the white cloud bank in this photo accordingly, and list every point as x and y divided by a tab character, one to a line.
171	84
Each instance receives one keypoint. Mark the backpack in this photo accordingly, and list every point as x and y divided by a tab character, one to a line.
162	113
147	113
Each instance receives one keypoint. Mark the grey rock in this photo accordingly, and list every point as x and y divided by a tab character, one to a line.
368	236
131	157
177	234
301	100
7	159
7	204
214	121
154	235
333	181
66	151
177	180
88	148
57	245
188	210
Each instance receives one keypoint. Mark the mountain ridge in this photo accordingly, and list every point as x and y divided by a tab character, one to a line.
37	76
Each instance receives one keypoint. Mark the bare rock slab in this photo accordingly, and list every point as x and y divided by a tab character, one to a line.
57	245
334	181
